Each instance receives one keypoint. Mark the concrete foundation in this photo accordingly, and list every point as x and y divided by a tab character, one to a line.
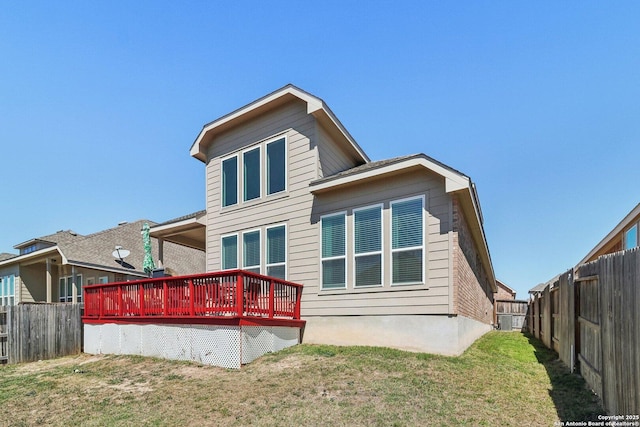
224	346
446	335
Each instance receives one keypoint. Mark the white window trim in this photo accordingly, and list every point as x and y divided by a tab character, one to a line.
8	299
286	163
286	247
380	252
238	181
423	246
346	250
238	244
239	156
241	173
624	240
69	298
260	248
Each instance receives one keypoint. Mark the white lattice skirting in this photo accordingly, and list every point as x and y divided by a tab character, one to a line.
224	346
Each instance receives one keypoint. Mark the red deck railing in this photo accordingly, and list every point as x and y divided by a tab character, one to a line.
203	298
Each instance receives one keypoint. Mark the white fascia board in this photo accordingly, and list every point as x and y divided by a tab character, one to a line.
30	256
453	181
315	105
618	229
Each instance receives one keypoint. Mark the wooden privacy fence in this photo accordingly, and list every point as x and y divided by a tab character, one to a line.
511	314
592	319
30	332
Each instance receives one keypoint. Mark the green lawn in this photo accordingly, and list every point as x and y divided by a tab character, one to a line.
503	379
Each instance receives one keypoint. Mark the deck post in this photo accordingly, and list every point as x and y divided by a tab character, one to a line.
296	313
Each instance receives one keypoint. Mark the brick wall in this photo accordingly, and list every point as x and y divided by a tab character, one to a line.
503	293
472	294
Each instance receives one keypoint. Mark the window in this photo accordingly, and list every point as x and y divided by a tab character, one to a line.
7	290
29	249
251	251
276	166
230	181
368	246
276	252
270	169
230	252
407	231
103	279
333	251
631	237
65	288
251	174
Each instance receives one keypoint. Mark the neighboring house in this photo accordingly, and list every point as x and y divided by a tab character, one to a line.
54	268
504	292
390	253
623	236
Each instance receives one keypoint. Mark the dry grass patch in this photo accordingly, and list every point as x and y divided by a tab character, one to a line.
502	379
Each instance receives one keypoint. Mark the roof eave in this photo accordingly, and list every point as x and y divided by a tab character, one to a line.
315	106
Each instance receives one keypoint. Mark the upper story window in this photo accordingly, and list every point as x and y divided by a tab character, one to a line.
29	249
631	237
251	174
261	175
230	181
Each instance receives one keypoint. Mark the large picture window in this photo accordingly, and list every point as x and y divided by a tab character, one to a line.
251	251
251	174
407	241
333	251
230	181
277	252
368	246
230	252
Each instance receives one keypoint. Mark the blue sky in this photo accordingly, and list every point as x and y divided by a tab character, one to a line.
539	103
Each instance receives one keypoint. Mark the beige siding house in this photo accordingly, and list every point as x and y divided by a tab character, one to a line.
54	268
390	253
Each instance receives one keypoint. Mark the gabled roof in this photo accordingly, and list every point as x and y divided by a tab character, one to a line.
617	230
455	183
315	106
95	250
505	287
5	256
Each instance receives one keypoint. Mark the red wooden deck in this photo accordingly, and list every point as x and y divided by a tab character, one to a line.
233	297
